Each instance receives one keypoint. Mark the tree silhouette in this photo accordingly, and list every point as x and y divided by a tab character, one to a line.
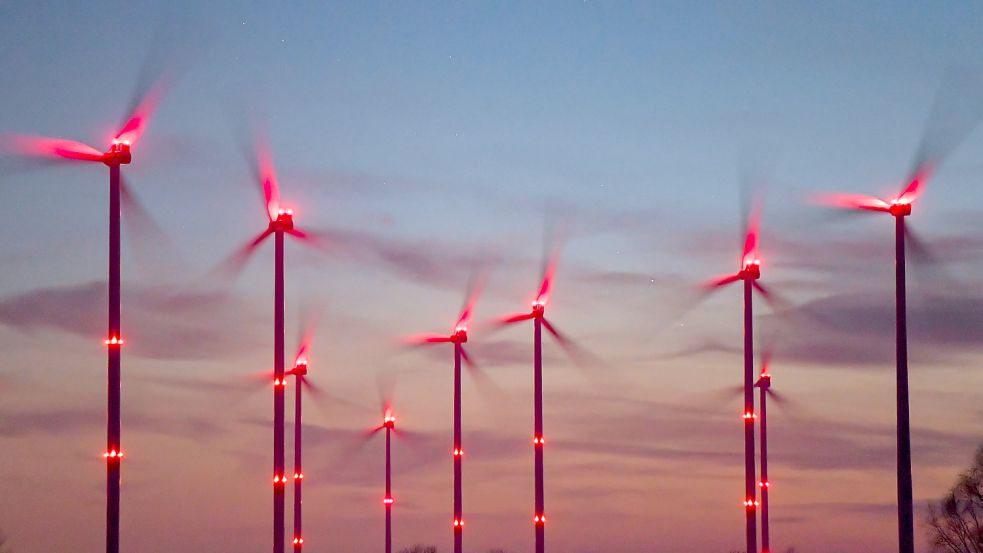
956	523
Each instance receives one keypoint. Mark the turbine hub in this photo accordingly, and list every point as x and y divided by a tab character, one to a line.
284	220
118	153
300	369
900	207
460	335
538	308
751	271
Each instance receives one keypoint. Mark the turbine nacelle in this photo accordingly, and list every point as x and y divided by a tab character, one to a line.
460	335
284	221
389	421
118	153
300	369
751	270
538	308
900	207
764	381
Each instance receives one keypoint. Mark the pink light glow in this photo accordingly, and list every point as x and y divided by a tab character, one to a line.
42	146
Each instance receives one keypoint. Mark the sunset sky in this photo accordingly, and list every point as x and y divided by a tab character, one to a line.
446	136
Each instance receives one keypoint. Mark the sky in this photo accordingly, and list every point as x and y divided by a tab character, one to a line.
441	139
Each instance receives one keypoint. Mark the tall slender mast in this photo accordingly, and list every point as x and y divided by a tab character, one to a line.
539	519
906	523
298	468
458	454
750	501
389	497
763	385
279	476
114	452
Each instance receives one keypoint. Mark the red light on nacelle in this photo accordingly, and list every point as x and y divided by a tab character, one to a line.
113	341
458	452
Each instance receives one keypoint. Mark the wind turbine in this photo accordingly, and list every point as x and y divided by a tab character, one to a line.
749	274
940	138
280	223
299	372
764	391
537	314
458	337
145	101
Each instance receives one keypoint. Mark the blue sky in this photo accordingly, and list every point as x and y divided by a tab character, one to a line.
446	132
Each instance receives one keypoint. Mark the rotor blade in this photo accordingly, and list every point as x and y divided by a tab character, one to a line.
385	383
44	147
492	394
141	112
232	266
258	155
578	354
476	284
324	240
145	230
325	401
766	356
751	233
919	250
955	113
719	282
176	42
927	265
512	319
776	302
309	319
551	258
422	339
852	201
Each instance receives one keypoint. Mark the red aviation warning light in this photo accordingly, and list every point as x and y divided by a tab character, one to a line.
458	452
298	540
113	455
458	523
538	440
539	520
113	341
118	153
388	500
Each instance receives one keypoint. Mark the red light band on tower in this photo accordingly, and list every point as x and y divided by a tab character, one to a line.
113	341
458	453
